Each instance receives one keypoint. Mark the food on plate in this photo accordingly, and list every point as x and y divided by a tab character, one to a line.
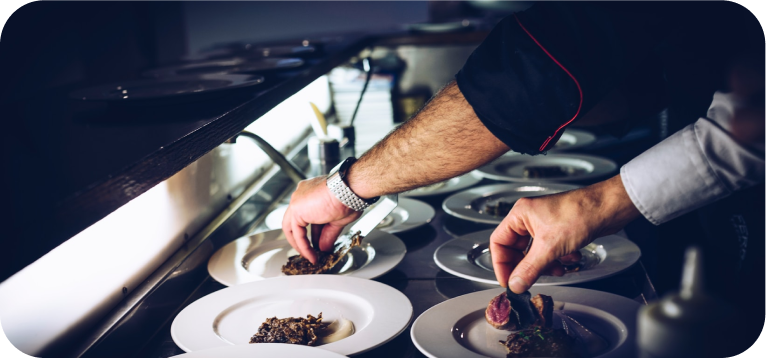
499	208
539	342
550	171
544	306
533	317
309	331
498	313
501	314
290	330
298	265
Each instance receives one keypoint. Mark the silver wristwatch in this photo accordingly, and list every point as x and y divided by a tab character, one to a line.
336	182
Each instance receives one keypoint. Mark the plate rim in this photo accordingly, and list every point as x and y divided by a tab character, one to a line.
456	199
584	138
365	272
415	206
410	223
610	166
464	181
270	348
609	241
243	292
570	295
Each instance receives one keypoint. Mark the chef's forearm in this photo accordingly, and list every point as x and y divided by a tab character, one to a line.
444	140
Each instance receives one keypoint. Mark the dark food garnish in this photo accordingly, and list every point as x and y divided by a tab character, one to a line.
539	342
298	265
550	171
290	330
499	209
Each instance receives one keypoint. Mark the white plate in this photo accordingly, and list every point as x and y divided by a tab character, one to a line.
262	350
468	257
457	328
470	204
409	214
511	168
573	139
232	315
447	186
260	256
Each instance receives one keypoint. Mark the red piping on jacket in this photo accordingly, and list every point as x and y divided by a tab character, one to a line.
579	107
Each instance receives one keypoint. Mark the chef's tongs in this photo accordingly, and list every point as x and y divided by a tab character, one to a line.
367	222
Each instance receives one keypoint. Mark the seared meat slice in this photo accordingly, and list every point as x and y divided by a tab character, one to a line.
290	330
544	306
498	313
539	342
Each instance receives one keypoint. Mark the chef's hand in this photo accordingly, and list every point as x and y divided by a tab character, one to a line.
313	203
560	224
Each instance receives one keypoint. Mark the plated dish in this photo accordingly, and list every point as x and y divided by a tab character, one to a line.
573	139
262	255
408	215
225	66
458	328
233	315
548	168
151	89
447	186
489	204
262	350
468	257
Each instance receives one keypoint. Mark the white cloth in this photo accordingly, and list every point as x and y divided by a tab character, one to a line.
694	167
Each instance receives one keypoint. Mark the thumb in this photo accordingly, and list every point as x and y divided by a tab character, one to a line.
530	268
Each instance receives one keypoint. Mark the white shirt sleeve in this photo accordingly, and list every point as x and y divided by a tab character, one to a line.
694	167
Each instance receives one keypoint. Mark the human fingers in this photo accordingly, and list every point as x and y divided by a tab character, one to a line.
330	234
530	267
504	260
287	228
572	258
316	232
506	248
302	243
555	268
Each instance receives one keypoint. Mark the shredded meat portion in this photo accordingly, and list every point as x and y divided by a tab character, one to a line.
298	265
539	342
290	330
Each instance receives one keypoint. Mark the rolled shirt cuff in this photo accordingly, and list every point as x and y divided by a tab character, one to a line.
692	168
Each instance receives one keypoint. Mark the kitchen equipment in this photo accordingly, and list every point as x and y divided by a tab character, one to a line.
367	222
324	154
688	323
225	66
133	91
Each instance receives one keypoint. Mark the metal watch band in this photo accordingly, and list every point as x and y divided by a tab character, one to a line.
344	194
